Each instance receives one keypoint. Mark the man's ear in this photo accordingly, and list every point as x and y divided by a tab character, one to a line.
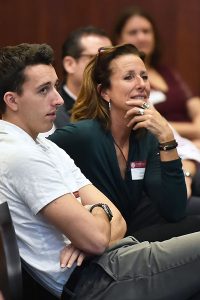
10	100
69	64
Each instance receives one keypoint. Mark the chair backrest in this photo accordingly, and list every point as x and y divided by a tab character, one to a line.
10	264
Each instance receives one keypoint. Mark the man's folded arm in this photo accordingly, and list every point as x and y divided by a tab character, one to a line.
88	232
91	195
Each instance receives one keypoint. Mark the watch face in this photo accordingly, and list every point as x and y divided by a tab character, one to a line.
108	211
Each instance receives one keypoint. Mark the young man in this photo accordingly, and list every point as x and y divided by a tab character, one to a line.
78	49
40	183
39	178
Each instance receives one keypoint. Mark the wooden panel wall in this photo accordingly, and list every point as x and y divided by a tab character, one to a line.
51	20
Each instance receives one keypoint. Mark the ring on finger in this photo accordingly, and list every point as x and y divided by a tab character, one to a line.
141	111
145	105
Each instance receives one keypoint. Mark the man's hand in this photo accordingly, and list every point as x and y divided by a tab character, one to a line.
69	255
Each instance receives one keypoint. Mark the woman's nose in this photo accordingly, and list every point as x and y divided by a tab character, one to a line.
140	81
141	35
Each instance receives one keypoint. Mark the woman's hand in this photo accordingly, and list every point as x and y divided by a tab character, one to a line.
69	255
140	117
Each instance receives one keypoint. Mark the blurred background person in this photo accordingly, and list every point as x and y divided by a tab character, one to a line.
169	93
77	50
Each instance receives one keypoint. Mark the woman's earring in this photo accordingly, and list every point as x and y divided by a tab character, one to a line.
109	105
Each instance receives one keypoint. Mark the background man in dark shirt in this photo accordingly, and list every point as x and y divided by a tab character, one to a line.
81	45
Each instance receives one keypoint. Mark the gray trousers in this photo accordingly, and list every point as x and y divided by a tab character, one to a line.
168	270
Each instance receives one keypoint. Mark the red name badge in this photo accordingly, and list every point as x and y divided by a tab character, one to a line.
138	169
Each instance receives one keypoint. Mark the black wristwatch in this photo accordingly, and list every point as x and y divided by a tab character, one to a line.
105	207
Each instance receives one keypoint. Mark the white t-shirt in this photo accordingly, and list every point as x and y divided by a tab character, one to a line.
32	174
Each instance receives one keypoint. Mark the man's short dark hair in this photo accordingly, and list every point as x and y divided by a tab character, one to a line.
72	45
13	61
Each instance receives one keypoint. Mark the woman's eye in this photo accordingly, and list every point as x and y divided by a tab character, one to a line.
145	77
128	77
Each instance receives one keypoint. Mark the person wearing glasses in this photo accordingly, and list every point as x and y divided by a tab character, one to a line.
77	50
126	148
41	184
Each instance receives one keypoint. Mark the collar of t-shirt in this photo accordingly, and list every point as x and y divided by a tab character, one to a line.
65	88
19	133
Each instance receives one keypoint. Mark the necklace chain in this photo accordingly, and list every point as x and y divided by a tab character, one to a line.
122	153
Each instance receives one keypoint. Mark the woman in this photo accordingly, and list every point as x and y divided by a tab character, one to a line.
125	147
171	96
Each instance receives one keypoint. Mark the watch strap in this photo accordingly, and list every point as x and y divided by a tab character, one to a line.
168	145
105	207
